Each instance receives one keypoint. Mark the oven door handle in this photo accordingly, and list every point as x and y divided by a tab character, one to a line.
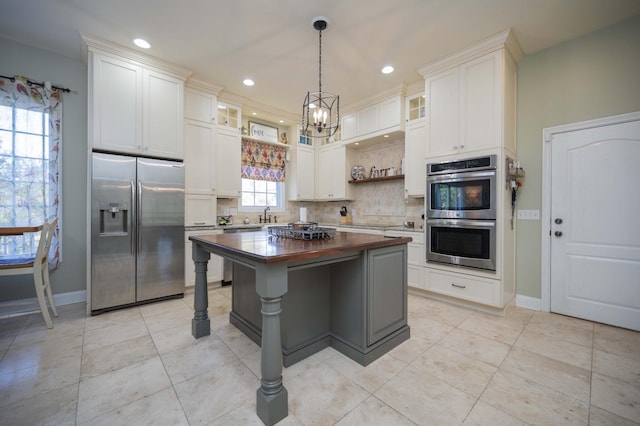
462	223
461	176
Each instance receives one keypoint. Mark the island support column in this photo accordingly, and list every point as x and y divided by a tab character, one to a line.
200	324
272	398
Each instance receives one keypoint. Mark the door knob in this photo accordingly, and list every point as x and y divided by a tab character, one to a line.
558	233
558	221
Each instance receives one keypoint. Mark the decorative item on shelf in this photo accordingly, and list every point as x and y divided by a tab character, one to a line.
357	172
321	110
263	132
283	138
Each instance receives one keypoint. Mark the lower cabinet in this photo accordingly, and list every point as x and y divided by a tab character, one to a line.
214	267
354	302
475	289
387	292
415	257
200	210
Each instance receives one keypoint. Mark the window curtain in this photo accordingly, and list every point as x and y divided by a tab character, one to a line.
42	173
262	161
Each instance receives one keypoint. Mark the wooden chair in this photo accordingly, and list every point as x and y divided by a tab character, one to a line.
37	265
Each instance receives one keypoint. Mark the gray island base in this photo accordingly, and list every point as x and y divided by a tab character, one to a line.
294	298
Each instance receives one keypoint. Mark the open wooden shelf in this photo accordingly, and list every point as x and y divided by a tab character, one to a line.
378	179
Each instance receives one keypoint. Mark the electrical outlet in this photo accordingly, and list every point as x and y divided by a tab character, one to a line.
529	214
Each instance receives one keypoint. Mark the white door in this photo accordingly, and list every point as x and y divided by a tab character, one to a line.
595	224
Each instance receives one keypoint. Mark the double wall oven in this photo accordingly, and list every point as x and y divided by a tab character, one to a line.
461	212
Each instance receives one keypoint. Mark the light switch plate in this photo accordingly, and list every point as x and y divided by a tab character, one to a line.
529	214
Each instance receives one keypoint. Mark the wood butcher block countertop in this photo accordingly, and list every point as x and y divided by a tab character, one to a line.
262	248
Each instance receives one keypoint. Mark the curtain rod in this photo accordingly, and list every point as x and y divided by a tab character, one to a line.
36	83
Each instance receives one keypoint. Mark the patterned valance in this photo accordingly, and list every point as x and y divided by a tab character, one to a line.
262	161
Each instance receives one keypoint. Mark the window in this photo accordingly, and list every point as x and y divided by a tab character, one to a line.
29	167
263	176
24	171
258	194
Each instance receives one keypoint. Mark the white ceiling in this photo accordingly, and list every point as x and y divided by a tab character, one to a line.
273	42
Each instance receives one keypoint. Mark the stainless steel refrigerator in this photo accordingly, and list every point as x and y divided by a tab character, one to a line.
137	230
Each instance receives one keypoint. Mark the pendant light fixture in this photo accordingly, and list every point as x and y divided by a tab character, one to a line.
321	110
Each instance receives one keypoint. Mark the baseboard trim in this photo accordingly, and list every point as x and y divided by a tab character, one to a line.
30	305
528	302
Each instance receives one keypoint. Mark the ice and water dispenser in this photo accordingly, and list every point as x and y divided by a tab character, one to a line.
114	219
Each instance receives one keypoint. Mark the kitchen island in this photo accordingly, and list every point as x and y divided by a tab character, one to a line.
349	292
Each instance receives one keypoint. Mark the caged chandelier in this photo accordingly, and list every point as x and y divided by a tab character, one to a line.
321	110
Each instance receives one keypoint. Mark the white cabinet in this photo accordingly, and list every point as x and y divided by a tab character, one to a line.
470	111
349	126
330	173
373	121
115	92
162	115
134	109
415	107
199	157
229	116
214	267
442	102
390	113
228	156
200	210
415	257
467	106
200	106
414	159
475	289
300	173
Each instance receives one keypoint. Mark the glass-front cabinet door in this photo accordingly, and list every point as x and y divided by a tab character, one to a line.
415	107
229	116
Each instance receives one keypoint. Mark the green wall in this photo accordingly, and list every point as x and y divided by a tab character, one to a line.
41	65
597	75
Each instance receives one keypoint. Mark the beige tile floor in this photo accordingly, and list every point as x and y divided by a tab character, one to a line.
141	366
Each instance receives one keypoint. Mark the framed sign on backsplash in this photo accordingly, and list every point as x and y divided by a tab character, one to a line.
263	132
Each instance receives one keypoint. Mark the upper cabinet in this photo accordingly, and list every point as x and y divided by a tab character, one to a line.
229	116
331	173
300	173
200	106
162	115
374	120
135	105
415	107
470	99
228	163
415	170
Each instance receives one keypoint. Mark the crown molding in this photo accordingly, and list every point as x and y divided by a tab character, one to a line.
98	44
502	40
204	86
378	97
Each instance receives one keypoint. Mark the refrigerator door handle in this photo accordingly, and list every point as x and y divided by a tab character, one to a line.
139	218
133	215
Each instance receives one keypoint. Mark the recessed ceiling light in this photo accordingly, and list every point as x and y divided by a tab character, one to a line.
281	121
248	82
385	136
254	113
387	69
141	43
220	106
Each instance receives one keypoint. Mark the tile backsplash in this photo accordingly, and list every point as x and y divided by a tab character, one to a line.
375	203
